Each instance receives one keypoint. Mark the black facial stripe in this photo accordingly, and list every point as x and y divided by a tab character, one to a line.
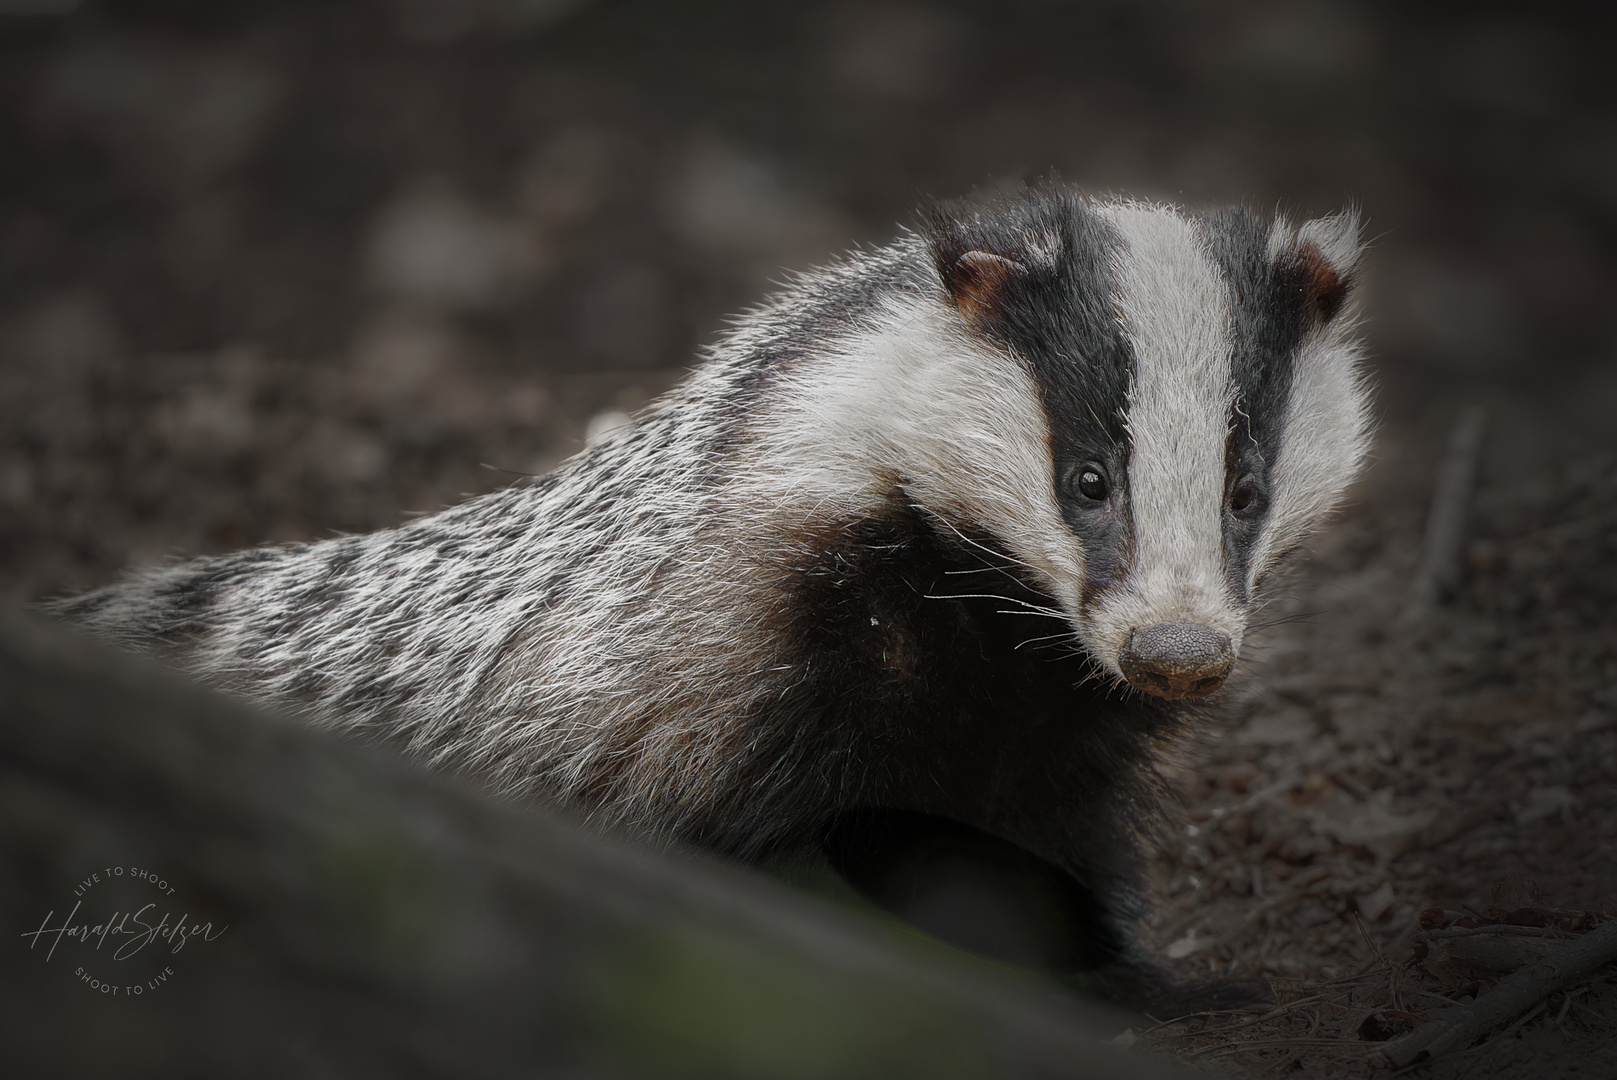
1269	320
1059	315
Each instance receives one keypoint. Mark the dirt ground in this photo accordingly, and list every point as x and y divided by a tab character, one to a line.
270	270
1461	764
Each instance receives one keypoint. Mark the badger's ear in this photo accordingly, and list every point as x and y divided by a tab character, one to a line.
1324	257
979	260
977	282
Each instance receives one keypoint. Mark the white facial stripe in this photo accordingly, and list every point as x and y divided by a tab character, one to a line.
962	427
1330	407
1327	425
1176	309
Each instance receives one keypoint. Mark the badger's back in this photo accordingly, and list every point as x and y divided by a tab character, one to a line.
612	634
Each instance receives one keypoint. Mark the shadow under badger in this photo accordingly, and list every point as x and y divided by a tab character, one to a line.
935	552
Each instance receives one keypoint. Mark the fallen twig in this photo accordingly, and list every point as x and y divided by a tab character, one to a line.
1492	930
1441	568
1493	953
1571	963
1278	1011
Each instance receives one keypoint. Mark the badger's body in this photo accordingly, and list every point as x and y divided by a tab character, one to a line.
956	526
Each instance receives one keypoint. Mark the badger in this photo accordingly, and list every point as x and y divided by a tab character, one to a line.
942	547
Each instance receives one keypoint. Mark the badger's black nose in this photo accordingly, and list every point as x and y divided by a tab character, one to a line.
1176	660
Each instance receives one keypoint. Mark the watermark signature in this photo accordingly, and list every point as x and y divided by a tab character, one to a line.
139	935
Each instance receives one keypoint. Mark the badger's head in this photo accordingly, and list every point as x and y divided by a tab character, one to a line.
1185	391
1145	410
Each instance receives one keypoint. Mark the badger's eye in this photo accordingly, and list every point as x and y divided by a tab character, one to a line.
1089	482
1245	497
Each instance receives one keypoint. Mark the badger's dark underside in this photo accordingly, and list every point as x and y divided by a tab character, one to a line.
965	759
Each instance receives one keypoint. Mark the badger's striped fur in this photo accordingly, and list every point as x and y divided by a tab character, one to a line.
897	542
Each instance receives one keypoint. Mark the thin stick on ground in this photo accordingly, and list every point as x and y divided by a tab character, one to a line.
1451	1029
1442	566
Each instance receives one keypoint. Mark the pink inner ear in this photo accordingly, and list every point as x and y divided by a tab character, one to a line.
977	280
1326	289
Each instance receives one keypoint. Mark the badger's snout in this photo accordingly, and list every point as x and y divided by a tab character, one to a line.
1176	660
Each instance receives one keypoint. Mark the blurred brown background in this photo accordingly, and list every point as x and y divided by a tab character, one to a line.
273	268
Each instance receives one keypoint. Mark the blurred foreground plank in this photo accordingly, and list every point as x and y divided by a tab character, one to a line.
372	920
